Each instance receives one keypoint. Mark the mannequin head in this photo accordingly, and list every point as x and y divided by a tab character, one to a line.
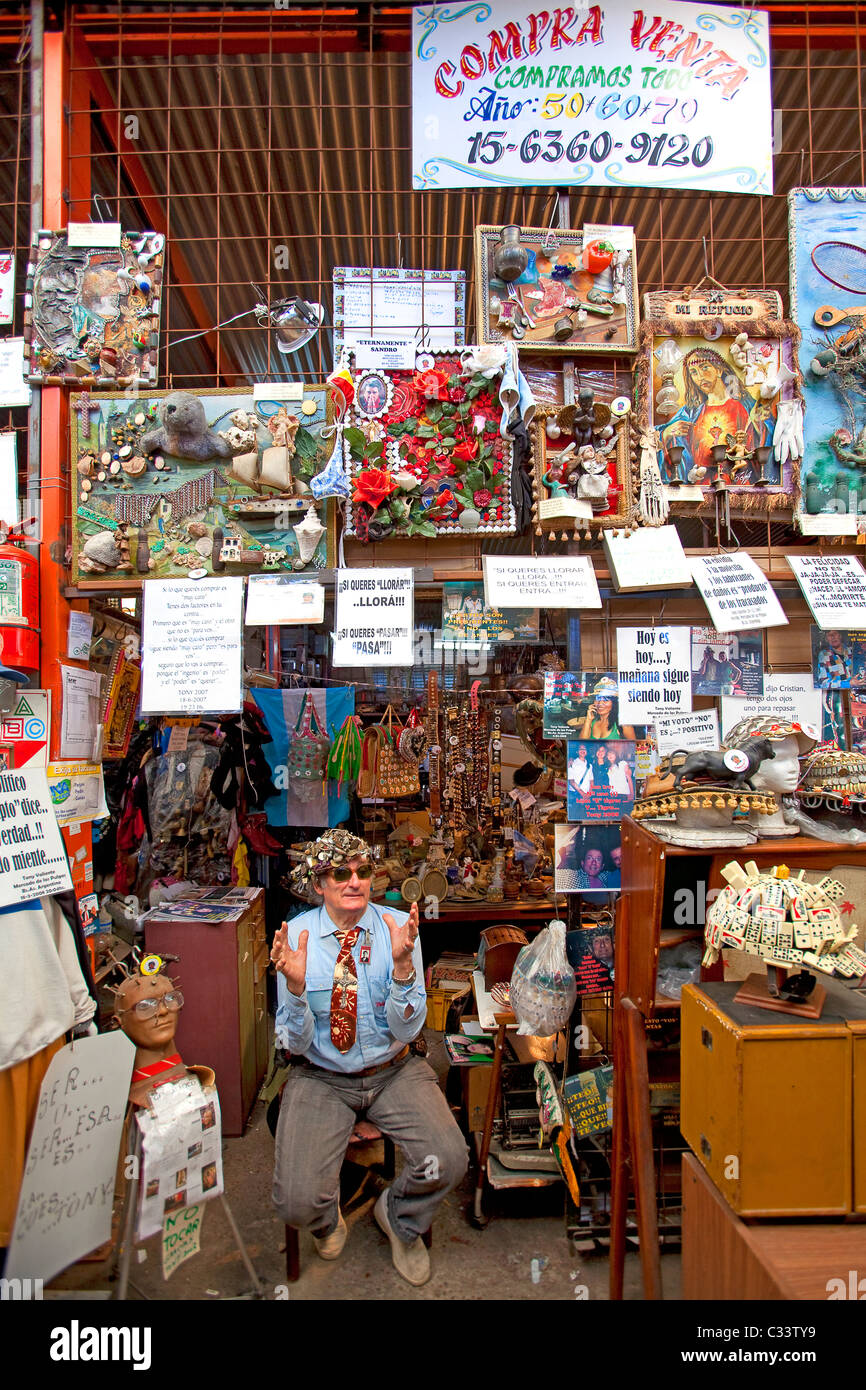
146	1009
781	773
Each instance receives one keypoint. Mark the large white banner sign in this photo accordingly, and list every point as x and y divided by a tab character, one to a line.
667	95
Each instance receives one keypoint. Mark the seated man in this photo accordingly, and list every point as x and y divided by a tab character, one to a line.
351	998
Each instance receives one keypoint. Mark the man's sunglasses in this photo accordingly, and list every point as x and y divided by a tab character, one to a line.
343	875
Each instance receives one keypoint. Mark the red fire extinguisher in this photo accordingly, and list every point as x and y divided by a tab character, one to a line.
19	607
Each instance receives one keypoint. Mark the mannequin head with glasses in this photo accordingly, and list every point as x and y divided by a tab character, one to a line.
146	1008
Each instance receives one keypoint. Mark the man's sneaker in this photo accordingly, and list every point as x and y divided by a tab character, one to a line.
410	1261
329	1247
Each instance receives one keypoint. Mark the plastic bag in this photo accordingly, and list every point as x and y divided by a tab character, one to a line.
543	988
682	966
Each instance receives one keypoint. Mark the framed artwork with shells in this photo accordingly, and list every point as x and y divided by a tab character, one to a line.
423	450
582	465
94	311
720	401
555	290
169	483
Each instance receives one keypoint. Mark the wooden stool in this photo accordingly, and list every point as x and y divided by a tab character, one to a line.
358	1143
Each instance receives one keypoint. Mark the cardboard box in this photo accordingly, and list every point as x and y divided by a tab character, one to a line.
476	1089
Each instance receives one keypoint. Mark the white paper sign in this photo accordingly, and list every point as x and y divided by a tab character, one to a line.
653	672
181	1151
737	593
93	234
689	731
281	600
386	354
834	586
552	582
423	310
79	635
375	617
192	646
7	287
64	1210
650	558
13	388
32	856
792	698
9	478
673	95
79	712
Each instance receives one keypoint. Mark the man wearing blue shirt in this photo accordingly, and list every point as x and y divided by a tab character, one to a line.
350	999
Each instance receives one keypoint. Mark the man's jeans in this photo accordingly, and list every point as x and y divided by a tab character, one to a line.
317	1114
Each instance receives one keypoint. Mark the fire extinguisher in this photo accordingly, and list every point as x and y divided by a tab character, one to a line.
19	607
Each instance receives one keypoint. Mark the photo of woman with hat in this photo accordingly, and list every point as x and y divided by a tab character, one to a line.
602	715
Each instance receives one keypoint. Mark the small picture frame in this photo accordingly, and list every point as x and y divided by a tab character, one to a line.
373	393
581	487
577	291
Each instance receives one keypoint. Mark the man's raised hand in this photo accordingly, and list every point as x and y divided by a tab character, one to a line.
292	965
403	940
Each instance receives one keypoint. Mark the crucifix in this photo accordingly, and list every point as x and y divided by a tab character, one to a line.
84	407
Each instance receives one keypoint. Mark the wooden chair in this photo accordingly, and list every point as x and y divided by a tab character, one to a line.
360	1151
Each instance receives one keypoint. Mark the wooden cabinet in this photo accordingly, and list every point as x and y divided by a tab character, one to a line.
767	1101
222	975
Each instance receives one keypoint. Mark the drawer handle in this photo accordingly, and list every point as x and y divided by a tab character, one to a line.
706	1147
707	1039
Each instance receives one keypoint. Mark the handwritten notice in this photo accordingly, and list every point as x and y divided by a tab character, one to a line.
676	95
375	617
791	698
181	1237
33	861
689	731
650	558
653	672
834	586
192	646
549	582
737	593
64	1210
385	315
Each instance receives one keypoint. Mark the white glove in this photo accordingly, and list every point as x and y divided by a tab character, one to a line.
788	434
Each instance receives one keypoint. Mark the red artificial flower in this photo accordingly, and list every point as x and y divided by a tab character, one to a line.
373	485
482	498
445	468
432	385
466	451
457	394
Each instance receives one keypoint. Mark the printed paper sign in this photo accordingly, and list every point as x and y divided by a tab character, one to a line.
386	315
182	1152
546	583
650	558
737	593
280	599
64	1210
9	510
675	95
653	672
192	646
375	617
79	635
13	388
77	791
32	858
792	698
834	586
689	731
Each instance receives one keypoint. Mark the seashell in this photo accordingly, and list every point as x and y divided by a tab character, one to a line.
469	519
204	545
134	466
103	549
114	468
85	465
309	532
197	528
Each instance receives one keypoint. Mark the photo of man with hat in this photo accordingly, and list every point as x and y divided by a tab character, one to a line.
350	999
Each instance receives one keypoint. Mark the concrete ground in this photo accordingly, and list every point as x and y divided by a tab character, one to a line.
497	1263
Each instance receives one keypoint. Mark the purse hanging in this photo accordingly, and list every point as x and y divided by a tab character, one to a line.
308	751
344	760
396	777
